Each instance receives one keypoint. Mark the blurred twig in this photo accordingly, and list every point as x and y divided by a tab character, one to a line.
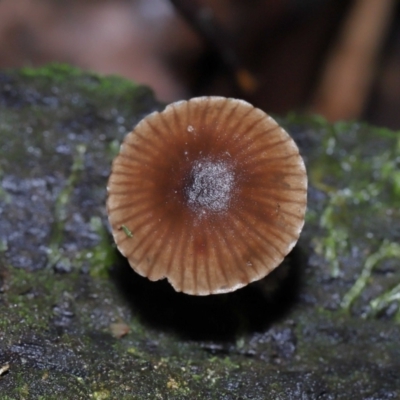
350	67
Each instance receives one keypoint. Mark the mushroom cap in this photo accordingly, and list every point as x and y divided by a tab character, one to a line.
210	193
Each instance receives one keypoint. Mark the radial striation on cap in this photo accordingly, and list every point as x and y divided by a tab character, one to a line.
210	193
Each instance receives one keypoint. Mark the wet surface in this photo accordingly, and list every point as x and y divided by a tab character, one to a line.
63	285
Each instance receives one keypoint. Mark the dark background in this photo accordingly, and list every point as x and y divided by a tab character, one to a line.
338	58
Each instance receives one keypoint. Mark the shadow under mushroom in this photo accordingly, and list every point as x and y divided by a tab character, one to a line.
218	317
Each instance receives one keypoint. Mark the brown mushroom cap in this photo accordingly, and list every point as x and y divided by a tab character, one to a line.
210	193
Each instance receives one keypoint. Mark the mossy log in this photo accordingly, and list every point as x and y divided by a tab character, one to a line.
77	323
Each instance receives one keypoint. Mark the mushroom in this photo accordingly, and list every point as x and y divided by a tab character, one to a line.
210	193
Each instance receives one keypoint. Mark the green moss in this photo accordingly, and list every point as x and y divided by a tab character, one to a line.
4	196
62	202
386	250
32	296
356	167
101	395
384	300
54	72
102	256
106	92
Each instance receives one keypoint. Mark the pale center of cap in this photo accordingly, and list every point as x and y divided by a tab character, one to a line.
210	185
